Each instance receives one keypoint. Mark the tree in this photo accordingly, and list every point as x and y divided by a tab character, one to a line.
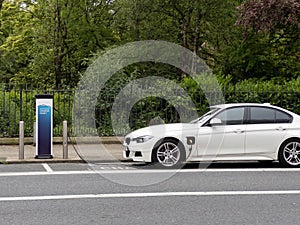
1	3
270	47
268	16
47	42
16	27
67	33
203	26
60	36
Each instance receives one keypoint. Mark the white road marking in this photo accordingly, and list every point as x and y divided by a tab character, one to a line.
153	194
115	163
47	168
120	167
143	171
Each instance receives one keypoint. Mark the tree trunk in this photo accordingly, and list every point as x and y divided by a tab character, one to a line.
197	33
57	47
1	2
186	24
185	31
137	29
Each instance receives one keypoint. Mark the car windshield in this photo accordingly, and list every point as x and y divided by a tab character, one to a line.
205	116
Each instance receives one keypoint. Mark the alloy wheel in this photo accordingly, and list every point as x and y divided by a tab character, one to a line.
291	153
168	154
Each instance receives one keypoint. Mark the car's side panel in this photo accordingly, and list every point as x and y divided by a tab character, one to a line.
264	138
221	140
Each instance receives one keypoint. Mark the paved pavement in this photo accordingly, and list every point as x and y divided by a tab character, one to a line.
85	152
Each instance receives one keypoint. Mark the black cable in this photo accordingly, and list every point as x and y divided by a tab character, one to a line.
69	137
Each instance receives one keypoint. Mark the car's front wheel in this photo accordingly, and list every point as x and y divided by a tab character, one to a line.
169	153
289	153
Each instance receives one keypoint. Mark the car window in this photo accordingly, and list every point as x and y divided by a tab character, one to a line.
205	116
282	117
261	115
267	115
233	116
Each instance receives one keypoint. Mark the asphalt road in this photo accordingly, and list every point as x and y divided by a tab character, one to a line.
245	193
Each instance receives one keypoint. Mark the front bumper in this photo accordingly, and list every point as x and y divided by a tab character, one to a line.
139	152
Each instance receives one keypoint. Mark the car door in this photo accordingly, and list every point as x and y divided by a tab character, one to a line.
227	138
265	130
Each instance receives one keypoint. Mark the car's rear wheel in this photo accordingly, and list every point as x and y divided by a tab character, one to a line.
289	153
169	153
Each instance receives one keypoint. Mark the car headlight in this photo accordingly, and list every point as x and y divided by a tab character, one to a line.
143	139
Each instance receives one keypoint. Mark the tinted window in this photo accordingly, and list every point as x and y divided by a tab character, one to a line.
268	115
262	115
282	117
232	116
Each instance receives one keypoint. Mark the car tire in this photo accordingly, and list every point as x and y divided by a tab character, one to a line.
168	153
289	153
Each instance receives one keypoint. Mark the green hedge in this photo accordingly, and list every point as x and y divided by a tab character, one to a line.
147	110
285	94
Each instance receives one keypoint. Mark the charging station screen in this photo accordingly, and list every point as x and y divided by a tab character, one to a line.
44	128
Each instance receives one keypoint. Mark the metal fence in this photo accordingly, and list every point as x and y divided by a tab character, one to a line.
17	102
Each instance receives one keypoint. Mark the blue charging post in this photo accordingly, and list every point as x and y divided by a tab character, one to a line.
44	126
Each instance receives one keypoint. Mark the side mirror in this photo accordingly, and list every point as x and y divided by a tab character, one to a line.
215	122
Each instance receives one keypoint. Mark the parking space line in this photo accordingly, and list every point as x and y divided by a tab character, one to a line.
47	167
109	170
151	194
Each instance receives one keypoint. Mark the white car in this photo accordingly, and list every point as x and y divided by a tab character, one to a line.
246	131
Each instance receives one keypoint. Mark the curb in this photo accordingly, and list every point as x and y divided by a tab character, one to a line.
59	140
33	161
54	161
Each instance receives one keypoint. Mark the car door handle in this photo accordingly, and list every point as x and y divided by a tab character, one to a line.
239	131
280	128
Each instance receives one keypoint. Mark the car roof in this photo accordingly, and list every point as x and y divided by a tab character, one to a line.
229	105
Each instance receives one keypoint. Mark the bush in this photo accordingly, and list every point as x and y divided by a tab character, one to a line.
145	110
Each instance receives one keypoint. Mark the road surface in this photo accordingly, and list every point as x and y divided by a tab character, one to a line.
246	193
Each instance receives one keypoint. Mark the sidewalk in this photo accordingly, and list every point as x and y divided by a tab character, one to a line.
110	151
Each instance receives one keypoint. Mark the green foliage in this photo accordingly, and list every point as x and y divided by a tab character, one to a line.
50	43
16	26
271	44
285	94
45	42
282	93
11	101
167	105
268	15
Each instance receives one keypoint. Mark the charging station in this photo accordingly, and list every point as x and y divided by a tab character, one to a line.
44	126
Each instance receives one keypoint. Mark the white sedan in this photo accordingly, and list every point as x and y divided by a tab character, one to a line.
247	131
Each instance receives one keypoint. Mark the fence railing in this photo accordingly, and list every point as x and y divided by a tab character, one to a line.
17	102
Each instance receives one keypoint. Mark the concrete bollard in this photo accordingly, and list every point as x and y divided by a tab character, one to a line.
65	139
21	140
